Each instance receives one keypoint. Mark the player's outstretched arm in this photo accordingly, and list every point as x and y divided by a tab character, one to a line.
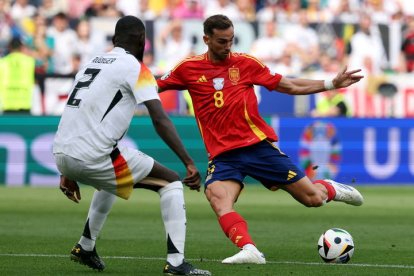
167	131
305	86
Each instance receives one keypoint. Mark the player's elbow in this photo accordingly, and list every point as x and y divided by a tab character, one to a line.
290	90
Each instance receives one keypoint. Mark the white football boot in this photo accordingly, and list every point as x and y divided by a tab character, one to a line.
248	255
346	194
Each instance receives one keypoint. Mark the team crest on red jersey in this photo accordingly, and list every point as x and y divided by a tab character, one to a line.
234	75
218	83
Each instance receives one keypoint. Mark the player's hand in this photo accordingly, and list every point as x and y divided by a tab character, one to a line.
70	189
346	78
193	178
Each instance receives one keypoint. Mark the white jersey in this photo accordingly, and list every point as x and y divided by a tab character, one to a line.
102	103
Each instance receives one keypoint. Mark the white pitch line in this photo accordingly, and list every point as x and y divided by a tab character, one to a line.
210	260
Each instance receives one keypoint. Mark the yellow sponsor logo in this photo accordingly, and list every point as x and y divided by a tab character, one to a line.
238	238
202	79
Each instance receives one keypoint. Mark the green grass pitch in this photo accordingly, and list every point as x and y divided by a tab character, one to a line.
38	227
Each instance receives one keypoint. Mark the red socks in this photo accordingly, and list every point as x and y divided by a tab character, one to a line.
329	188
235	228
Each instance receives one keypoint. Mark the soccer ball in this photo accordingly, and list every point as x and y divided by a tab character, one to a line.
336	246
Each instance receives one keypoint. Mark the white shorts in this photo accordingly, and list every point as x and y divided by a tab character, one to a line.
116	173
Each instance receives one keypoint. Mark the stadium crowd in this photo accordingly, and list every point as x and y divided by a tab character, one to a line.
293	36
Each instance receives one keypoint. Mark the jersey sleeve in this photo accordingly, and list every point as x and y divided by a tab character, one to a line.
145	88
261	74
173	80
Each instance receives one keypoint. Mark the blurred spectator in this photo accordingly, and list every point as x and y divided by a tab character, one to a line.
225	7
129	7
327	64
270	12
16	79
160	7
96	8
188	9
380	11
345	12
6	23
22	9
49	8
303	41
366	50
407	7
291	9
148	58
144	11
111	9
315	13
247	10
65	43
407	47
76	63
288	64
41	46
77	8
173	45
103	8
331	103
89	43
269	47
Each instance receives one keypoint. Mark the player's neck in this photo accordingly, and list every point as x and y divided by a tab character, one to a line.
214	59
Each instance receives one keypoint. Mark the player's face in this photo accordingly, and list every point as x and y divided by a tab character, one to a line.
219	44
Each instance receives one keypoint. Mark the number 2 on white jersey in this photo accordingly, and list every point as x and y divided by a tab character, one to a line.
92	72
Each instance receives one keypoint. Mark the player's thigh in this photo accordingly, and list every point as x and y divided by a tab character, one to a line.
119	172
162	172
159	177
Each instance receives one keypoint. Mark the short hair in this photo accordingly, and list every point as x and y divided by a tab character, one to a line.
217	21
130	34
127	29
61	15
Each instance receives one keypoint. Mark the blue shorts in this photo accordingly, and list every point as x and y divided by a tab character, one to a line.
262	161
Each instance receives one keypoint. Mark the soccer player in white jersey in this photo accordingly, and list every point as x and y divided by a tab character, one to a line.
97	115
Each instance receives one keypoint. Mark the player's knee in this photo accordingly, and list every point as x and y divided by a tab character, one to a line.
171	186
173	176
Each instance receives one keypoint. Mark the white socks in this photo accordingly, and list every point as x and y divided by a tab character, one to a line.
101	205
172	211
174	217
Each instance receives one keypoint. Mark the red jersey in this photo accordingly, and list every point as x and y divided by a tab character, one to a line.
224	101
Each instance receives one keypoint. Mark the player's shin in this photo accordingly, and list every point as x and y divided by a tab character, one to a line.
235	228
174	217
101	205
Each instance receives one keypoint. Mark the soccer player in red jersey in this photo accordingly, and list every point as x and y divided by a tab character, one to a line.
237	139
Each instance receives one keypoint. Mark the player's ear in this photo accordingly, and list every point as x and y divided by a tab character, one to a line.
206	39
